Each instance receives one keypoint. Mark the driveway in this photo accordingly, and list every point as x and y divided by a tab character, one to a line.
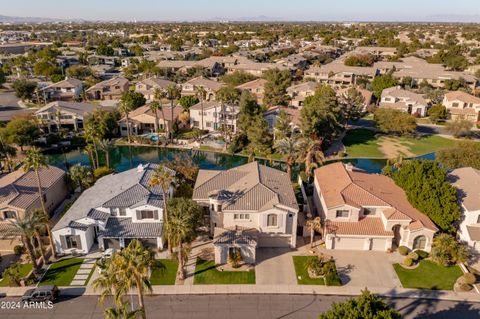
275	267
365	268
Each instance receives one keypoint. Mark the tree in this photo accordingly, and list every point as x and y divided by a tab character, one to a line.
80	72
283	126
365	306
46	68
227	95
362	60
201	95
276	87
381	83
459	127
104	49
315	225
392	121
7	153
289	147
311	154
106	146
13	275
189	100
123	311
464	154
3	78
21	130
352	104
259	137
24	89
125	108
428	190
104	122
133	99
446	250
237	78
437	113
173	94
248	111
81	175
185	216
35	161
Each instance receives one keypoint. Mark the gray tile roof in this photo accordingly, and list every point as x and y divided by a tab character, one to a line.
98	215
77	225
236	237
124	227
133	195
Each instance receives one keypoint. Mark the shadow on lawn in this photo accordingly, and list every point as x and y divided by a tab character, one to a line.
52	274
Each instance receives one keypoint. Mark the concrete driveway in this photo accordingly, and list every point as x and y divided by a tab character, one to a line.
275	267
365	268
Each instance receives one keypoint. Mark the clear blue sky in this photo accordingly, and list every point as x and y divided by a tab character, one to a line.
161	10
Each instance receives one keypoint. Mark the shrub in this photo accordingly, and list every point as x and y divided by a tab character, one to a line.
101	171
235	258
413	256
466	287
18	249
422	254
403	250
469	278
315	266
331	276
408	261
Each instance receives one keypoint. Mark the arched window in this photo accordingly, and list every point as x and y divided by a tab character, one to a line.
419	242
272	220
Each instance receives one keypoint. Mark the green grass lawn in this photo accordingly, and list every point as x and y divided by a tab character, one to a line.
207	274
302	274
165	276
62	272
428	275
428	144
362	143
25	269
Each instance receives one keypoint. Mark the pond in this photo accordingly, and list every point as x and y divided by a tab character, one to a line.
124	157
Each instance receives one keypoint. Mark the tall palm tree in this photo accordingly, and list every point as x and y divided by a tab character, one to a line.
92	135
106	146
289	147
312	154
122	312
89	149
314	225
173	93
201	94
154	107
39	224
81	175
35	161
164	179
125	108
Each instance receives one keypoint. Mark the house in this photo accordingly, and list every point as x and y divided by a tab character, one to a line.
103	60
407	101
298	93
148	86
255	68
367	95
120	207
337	73
212	65
461	105
71	115
215	116
66	90
362	211
467	181
250	207
142	120
108	90
190	87
272	114
256	87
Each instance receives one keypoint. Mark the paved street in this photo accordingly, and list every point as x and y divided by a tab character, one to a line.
240	306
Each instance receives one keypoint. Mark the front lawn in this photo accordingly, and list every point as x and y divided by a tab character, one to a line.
302	274
207	274
428	275
62	272
25	269
165	275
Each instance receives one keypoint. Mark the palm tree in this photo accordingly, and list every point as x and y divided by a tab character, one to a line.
312	154
314	225
289	147
164	179
106	146
39	224
154	106
92	134
89	149
201	94
173	93
35	161
122	312
125	108
81	175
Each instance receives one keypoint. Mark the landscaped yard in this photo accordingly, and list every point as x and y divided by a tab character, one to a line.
165	276
207	274
302	274
62	272
366	143
24	271
428	275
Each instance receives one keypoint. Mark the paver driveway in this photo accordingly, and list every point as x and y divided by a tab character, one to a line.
275	266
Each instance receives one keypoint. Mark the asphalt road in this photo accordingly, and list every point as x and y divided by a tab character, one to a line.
239	306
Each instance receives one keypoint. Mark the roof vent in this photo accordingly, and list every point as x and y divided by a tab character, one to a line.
140	168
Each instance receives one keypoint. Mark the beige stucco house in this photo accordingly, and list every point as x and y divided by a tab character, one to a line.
108	90
461	105
215	116
362	211
406	101
148	86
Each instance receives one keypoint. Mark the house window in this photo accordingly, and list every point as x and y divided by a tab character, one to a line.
342	213
146	214
241	216
122	211
196	123
72	241
10	214
455	104
478	219
113	211
271	220
219	208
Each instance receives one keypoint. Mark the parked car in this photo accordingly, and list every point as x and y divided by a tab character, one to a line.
43	293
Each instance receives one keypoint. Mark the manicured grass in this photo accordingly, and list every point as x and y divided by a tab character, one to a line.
428	275
207	274
25	269
165	276
62	272
362	143
302	274
428	144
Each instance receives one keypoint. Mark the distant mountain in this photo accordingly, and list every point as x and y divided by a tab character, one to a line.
9	19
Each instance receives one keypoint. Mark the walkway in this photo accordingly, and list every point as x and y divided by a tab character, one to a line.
275	267
83	272
199	248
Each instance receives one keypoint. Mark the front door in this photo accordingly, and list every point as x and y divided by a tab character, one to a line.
396	236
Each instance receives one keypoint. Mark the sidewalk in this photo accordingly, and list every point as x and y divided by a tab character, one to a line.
80	278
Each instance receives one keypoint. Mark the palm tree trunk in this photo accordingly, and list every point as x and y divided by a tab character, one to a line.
107	157
40	246
157	125
201	104
181	266
128	127
312	234
47	224
28	246
96	152
171	124
140	297
165	221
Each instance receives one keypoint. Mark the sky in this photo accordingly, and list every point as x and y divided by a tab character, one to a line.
296	10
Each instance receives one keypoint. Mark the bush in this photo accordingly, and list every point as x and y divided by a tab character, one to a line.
408	261
331	276
422	254
466	287
101	171
18	249
469	278
413	256
403	250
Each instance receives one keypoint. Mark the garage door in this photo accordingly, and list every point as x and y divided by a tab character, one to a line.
111	243
379	244
274	241
347	243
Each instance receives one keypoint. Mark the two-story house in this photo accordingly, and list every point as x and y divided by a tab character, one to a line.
108	90
461	105
66	90
143	120
120	207
400	99
362	211
467	181
298	93
189	88
148	87
215	116
250	206
256	87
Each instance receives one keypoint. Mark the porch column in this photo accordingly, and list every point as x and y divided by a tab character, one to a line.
367	244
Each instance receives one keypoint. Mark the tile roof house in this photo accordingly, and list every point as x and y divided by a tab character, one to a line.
148	86
66	90
142	120
362	211
299	92
461	105
189	87
118	208
337	73
400	99
108	90
215	116
367	95
467	181
272	114
250	206
256	87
